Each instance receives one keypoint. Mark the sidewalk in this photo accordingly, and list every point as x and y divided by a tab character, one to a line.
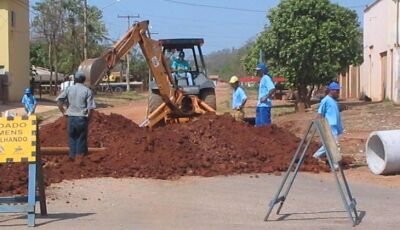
17	108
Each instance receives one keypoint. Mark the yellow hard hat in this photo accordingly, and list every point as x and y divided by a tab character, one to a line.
233	79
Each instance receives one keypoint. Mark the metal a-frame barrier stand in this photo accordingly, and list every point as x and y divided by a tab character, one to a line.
334	158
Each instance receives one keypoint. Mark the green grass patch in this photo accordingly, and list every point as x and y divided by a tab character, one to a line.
252	92
224	106
282	111
112	99
48	114
129	96
380	107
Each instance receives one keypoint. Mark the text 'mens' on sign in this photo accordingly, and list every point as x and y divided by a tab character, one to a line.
18	136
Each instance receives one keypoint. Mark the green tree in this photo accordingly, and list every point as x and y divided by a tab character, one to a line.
72	45
60	25
38	54
138	66
49	24
226	62
308	42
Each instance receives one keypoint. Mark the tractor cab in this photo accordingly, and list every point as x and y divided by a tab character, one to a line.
185	60
188	70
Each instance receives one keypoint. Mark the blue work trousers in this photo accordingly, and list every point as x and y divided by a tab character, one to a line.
187	76
263	116
321	152
77	135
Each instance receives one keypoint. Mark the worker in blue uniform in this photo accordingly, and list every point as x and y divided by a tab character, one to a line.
329	110
29	101
239	98
265	92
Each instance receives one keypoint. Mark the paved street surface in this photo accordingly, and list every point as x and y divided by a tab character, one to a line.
234	202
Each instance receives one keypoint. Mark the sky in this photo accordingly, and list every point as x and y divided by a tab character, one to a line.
222	23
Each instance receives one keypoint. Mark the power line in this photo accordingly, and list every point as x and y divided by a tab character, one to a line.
237	9
355	7
216	7
205	35
202	22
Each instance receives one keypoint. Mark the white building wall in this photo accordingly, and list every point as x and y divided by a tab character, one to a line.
396	73
380	22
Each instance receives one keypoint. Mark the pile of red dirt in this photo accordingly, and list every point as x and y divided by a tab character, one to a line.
211	145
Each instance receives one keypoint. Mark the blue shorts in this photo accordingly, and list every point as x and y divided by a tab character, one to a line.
263	116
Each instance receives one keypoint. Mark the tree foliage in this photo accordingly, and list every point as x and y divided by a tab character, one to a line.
308	42
38	54
59	25
227	62
138	66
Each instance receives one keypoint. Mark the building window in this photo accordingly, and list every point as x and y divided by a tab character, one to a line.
13	23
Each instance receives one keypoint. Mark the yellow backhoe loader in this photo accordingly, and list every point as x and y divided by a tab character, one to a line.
170	101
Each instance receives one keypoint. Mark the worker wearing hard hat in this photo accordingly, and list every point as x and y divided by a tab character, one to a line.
79	101
329	110
29	101
239	98
265	92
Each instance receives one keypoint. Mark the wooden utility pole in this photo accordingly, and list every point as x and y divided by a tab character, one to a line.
128	59
85	30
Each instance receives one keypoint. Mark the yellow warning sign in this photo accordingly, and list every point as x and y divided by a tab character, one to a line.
18	136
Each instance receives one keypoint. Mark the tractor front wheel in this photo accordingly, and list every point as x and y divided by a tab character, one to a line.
208	96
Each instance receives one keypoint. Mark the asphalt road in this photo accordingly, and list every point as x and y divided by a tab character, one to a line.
234	202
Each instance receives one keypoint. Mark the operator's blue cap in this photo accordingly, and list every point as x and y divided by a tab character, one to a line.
262	67
334	86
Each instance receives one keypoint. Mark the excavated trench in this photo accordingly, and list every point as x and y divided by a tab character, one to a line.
209	146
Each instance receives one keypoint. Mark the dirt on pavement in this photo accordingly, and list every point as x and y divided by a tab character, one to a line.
211	145
359	121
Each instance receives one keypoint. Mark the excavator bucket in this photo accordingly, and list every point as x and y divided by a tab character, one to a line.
94	70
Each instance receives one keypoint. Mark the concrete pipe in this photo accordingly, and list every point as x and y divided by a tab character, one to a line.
383	152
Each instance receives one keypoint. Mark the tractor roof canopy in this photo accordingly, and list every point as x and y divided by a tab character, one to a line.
181	43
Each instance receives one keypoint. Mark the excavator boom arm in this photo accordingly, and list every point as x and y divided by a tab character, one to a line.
121	48
152	50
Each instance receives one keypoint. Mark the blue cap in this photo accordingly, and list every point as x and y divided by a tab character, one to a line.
28	91
80	75
262	67
334	86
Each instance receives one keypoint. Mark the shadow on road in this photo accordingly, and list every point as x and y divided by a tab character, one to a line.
285	216
54	217
50	218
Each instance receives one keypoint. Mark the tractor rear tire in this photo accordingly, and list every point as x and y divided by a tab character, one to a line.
155	100
208	96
